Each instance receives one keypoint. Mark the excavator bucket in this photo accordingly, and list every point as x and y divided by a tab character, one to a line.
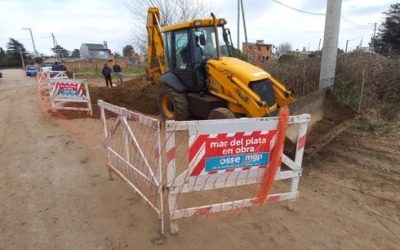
329	117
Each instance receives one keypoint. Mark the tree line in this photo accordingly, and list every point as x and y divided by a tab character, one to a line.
15	52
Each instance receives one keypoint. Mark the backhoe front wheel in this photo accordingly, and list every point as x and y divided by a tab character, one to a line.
173	105
221	113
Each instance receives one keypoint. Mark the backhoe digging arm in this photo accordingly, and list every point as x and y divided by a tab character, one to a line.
155	47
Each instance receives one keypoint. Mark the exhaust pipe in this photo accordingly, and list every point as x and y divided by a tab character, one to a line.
216	33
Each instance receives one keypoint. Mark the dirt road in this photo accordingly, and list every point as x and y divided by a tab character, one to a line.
55	192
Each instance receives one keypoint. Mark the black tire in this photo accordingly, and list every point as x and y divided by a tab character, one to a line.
173	105
221	113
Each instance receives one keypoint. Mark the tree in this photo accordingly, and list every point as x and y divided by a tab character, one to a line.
60	51
171	11
38	60
284	48
14	48
128	51
388	38
2	54
117	55
3	58
76	53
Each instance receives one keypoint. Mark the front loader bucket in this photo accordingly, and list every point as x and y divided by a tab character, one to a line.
329	117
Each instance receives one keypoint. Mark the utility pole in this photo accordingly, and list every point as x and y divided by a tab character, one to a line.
331	37
319	44
238	24
55	47
244	21
22	57
347	43
33	41
373	38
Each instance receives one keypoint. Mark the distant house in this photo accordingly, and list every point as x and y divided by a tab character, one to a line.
258	52
50	60
136	58
95	51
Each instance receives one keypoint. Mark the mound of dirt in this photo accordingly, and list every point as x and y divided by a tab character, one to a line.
137	94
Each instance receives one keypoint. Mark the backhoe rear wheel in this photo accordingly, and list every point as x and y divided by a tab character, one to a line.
173	105
221	113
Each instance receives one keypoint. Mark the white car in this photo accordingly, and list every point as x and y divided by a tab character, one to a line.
45	69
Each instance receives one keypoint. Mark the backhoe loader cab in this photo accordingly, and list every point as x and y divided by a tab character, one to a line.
193	63
186	52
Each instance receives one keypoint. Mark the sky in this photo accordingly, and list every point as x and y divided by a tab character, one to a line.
74	22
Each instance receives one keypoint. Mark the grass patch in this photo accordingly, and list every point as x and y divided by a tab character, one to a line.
92	73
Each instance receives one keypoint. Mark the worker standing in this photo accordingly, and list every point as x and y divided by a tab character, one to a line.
62	67
118	73
55	67
107	75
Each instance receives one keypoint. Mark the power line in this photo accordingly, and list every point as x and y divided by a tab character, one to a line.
356	24
359	36
298	10
317	14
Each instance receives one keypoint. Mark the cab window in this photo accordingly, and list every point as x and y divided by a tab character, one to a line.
182	50
167	51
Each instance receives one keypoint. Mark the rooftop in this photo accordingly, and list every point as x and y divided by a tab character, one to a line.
95	46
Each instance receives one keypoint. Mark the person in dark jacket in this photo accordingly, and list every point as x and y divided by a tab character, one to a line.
118	72
63	67
107	75
55	67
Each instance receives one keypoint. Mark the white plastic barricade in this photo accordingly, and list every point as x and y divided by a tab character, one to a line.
223	154
70	94
42	81
202	157
56	74
132	142
52	76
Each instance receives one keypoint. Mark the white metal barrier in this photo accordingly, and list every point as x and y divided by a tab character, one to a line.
56	75
132	142
70	94
46	78
224	154
52	76
42	81
200	156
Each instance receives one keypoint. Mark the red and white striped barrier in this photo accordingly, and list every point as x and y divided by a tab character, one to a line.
203	157
70	94
56	75
42	81
224	154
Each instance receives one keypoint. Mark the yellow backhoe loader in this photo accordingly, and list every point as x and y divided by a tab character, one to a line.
193	63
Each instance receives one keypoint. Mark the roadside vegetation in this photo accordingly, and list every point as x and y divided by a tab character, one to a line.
367	82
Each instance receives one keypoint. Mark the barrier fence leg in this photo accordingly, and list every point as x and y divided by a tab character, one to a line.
173	224
161	215
110	172
172	198
88	98
105	133
159	176
126	144
301	140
